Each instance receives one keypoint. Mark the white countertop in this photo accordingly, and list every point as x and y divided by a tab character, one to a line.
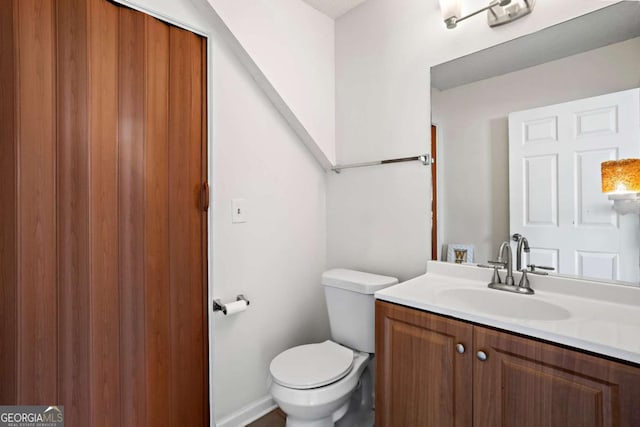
603	318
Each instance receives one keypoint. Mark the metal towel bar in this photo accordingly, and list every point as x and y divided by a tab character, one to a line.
425	159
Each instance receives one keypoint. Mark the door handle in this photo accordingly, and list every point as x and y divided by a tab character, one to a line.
205	196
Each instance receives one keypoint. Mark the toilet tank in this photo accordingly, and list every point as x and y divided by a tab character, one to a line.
350	303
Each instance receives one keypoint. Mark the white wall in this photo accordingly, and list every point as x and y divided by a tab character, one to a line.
293	44
277	257
384	49
368	228
474	134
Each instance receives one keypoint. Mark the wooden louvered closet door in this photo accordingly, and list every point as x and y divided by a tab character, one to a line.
102	230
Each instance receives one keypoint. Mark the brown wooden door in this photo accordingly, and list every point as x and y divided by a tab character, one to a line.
421	380
528	383
102	232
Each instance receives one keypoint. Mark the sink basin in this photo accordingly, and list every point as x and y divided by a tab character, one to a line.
501	303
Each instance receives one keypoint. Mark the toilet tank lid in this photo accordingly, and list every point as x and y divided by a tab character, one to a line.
356	281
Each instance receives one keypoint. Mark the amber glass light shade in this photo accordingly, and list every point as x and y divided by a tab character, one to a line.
621	176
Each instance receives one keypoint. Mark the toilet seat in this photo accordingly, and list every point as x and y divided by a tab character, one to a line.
311	365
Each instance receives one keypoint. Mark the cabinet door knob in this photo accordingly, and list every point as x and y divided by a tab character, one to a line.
460	348
482	355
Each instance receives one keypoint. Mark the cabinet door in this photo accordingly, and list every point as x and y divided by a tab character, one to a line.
524	383
422	380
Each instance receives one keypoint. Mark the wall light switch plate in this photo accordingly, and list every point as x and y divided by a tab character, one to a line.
238	211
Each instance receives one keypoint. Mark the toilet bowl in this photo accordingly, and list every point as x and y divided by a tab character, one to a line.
315	384
311	400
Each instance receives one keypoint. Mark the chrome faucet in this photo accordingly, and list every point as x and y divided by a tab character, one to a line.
522	242
508	280
509	284
523	287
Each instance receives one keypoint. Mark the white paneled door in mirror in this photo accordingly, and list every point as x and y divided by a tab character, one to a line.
555	196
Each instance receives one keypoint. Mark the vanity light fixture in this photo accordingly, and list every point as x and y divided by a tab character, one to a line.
500	12
621	182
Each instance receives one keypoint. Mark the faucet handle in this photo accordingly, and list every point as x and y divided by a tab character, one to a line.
497	264
524	286
533	267
485	266
541	267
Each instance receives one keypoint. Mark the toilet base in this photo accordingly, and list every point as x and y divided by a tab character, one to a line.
325	406
360	417
355	412
329	421
360	413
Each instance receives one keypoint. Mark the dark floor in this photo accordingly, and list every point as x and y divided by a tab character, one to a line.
275	418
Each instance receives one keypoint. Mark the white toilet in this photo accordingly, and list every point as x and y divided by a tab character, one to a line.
319	385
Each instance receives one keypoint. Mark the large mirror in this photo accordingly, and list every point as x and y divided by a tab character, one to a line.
503	167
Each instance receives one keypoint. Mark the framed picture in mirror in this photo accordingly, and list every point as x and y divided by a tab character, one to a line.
459	253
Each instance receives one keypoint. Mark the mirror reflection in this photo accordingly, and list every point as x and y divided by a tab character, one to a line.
521	130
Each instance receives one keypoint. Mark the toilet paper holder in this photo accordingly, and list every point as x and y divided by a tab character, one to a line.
218	306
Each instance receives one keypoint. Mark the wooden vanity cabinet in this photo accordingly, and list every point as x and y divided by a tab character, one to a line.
524	382
422	380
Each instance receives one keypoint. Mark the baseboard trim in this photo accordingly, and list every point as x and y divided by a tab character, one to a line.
249	413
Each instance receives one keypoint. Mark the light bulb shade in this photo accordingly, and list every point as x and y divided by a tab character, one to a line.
450	8
621	176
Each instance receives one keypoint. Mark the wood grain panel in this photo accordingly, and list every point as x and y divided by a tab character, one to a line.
37	316
8	213
73	210
204	227
197	325
157	291
536	384
420	378
553	397
105	301
103	239
185	232
131	176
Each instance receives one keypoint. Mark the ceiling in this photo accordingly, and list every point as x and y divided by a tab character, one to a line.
333	8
